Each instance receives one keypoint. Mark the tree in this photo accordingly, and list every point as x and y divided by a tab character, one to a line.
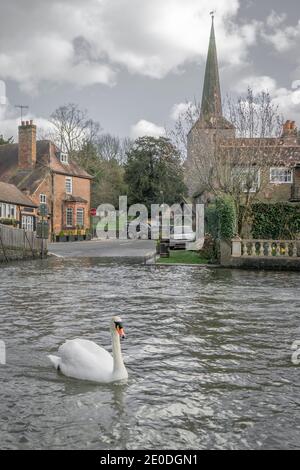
6	141
183	124
154	172
113	148
111	184
72	128
108	175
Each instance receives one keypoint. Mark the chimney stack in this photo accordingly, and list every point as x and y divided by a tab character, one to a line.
289	133
27	145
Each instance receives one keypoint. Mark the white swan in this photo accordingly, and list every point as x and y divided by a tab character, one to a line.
85	360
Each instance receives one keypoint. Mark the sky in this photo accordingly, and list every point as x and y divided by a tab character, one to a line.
133	64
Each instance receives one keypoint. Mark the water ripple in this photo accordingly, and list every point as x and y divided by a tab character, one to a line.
208	353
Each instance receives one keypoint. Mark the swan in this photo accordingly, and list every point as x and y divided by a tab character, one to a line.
85	360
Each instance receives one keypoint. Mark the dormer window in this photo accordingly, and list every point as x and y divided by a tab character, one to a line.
64	158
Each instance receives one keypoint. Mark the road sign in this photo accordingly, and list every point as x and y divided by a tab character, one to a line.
93	212
43	210
42	230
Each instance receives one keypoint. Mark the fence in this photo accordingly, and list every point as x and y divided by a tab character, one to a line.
266	248
19	244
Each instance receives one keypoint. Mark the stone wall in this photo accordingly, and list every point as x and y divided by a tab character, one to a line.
230	258
275	264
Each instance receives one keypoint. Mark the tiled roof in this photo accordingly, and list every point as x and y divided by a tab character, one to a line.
47	160
12	195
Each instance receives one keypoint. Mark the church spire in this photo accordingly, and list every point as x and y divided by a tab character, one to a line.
211	107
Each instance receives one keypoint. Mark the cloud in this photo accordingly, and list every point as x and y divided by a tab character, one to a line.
257	84
85	43
296	84
180	109
9	122
146	128
275	19
287	99
278	34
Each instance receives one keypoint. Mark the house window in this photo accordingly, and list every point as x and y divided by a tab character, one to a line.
69	217
64	158
69	185
80	217
13	211
8	211
43	199
281	175
28	223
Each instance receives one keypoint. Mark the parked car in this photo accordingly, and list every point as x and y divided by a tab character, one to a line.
181	235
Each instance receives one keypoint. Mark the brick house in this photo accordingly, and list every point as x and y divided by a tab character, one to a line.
276	161
15	208
47	176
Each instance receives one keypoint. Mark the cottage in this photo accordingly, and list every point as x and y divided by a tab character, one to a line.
46	175
16	209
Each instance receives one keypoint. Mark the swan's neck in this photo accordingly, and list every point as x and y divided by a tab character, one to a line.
117	355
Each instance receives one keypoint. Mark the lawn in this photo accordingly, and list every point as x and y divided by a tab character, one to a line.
183	257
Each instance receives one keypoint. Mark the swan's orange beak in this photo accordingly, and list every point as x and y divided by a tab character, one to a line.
121	333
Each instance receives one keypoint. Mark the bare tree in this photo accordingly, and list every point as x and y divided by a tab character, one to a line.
183	124
72	128
235	162
113	148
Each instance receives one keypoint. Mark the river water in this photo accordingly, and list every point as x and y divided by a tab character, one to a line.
208	354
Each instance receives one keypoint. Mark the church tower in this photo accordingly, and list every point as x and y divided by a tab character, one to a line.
211	123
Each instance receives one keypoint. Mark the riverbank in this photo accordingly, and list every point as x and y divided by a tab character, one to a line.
178	257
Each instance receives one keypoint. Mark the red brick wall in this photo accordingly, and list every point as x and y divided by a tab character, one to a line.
81	187
273	192
27	145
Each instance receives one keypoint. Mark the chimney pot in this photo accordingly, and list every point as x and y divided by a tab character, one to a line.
27	123
23	123
31	122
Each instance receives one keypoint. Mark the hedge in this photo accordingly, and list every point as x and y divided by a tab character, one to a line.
275	221
227	217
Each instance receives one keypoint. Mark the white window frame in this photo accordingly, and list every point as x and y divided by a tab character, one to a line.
285	171
64	158
69	185
81	210
69	210
43	198
8	211
28	223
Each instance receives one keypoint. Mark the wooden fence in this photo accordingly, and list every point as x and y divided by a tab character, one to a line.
20	242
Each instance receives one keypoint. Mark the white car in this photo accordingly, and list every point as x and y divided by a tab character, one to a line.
181	236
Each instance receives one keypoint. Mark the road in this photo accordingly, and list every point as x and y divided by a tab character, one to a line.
135	250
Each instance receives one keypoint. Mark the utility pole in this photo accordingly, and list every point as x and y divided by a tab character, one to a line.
22	108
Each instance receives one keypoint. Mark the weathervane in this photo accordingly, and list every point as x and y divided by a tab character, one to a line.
21	107
212	13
